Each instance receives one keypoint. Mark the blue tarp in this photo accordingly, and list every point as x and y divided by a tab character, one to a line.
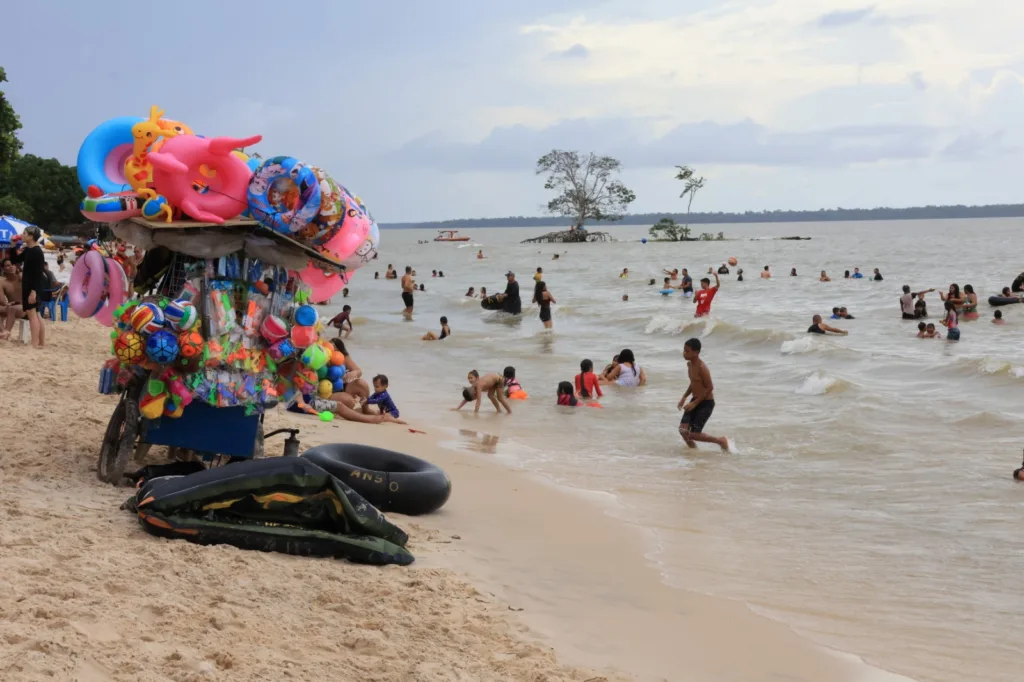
10	226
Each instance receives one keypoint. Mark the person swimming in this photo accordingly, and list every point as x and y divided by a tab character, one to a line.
511	386
824	277
587	383
471	293
625	273
835	314
997	317
445	332
819	327
566	398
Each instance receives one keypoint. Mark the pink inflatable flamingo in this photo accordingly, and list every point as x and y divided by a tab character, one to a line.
176	167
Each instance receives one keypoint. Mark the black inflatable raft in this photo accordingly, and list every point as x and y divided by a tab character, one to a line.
391	481
1002	300
283	504
493	302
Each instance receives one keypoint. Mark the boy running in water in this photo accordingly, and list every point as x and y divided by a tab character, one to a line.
706	294
697	412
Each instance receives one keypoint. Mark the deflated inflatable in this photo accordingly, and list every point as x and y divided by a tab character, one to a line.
283	504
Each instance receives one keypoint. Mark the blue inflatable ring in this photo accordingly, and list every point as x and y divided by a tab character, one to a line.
103	153
262	183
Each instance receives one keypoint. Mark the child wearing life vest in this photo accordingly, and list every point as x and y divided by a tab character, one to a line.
513	391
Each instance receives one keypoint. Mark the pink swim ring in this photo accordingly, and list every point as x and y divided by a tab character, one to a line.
86	287
117	287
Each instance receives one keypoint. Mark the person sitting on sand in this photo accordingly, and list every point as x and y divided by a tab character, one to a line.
566	398
445	332
381	398
339	321
587	383
471	293
824	277
627	371
10	298
819	327
340	405
766	273
625	273
492	385
355	384
997	317
844	315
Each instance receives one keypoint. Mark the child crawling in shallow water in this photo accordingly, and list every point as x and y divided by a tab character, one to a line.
491	384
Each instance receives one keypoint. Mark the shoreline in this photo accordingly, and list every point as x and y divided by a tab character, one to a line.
516	577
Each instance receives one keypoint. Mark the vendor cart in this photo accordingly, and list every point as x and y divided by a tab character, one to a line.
213	434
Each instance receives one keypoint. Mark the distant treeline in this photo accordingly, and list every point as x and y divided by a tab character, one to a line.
821	215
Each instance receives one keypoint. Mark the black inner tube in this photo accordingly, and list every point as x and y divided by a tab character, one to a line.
389	480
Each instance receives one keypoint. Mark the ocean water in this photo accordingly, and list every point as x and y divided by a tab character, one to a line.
870	503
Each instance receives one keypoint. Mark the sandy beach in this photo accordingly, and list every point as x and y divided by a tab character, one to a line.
514	579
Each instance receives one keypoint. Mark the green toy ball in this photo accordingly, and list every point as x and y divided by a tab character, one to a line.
326	416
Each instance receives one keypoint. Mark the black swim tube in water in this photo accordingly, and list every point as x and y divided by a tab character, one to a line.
389	480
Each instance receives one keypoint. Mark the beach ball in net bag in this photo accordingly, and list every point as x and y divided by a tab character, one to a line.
190	344
147	318
162	347
129	348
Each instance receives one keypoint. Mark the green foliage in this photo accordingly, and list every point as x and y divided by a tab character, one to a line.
10	124
49	187
43	191
720	237
13	206
586	186
669	230
706	237
692	186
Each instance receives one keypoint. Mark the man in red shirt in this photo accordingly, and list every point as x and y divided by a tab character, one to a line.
704	297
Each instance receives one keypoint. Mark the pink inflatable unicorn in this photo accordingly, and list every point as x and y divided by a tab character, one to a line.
176	168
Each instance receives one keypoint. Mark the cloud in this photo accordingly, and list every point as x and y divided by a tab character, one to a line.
577	51
917	81
746	142
842	18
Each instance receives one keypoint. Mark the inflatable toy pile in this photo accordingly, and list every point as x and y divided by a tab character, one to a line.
253	346
160	169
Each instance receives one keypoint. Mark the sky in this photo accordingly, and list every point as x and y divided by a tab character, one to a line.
437	110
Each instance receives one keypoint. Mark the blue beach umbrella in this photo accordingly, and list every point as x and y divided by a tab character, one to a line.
10	226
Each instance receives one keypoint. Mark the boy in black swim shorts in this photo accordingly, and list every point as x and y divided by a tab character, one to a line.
702	391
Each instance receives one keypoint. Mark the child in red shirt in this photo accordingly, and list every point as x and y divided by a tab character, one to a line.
587	385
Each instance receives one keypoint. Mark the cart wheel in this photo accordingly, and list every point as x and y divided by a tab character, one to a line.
119	440
257	450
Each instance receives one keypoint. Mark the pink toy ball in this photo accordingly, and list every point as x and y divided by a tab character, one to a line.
274	329
178	163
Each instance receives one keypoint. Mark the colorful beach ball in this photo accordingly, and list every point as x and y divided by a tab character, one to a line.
147	318
129	348
325	389
190	344
181	315
162	347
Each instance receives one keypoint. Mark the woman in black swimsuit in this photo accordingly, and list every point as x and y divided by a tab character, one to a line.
543	298
33	281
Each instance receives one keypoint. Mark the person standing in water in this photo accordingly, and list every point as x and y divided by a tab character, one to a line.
701	390
950	322
513	304
706	294
907	304
766	273
543	298
687	283
408	286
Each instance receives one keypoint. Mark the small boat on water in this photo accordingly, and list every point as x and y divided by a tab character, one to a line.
449	236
